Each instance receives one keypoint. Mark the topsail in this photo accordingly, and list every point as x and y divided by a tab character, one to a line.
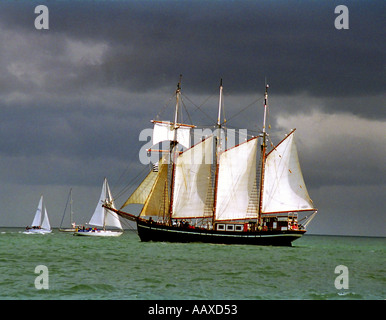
165	131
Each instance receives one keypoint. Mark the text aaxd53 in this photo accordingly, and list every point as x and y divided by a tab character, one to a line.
216	309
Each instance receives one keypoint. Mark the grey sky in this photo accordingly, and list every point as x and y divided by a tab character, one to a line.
74	98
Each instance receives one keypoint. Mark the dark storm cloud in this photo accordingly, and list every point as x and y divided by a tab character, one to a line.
294	44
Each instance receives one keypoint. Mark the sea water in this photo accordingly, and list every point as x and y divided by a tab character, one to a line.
125	268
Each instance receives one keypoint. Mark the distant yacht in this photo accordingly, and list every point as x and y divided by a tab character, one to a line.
40	223
72	222
102	218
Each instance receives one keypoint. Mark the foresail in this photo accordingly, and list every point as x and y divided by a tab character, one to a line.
284	188
157	202
46	222
164	131
236	179
142	192
192	181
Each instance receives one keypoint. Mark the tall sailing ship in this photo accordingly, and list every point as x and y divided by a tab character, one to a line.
246	195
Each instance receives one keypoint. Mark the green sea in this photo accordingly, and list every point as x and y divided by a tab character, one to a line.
82	268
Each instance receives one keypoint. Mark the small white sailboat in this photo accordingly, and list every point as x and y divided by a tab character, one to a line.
40	226
102	217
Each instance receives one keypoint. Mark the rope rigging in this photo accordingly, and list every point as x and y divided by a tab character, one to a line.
134	181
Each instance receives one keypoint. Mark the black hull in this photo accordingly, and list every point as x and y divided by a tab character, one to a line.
155	232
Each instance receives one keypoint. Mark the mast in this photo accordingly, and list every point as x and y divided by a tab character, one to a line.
218	143
71	213
219	106
218	150
105	197
69	199
178	93
263	153
173	144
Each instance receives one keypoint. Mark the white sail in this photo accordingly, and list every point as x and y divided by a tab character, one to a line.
164	131
192	181
46	222
111	218
236	177
39	226
103	217
284	188
98	217
38	215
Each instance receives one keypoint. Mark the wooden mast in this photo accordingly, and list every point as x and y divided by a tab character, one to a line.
173	144
218	150
263	154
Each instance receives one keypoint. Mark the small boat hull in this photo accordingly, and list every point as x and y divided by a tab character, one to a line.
37	231
67	230
98	233
154	232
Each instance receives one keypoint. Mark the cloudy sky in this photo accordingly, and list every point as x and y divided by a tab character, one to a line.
74	98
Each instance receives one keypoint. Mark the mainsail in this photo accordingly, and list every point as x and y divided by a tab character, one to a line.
38	215
236	179
103	217
192	181
284	187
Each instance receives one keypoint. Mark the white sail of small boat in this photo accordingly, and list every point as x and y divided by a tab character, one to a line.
40	223
102	217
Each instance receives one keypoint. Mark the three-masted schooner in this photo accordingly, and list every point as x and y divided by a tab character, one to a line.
248	195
